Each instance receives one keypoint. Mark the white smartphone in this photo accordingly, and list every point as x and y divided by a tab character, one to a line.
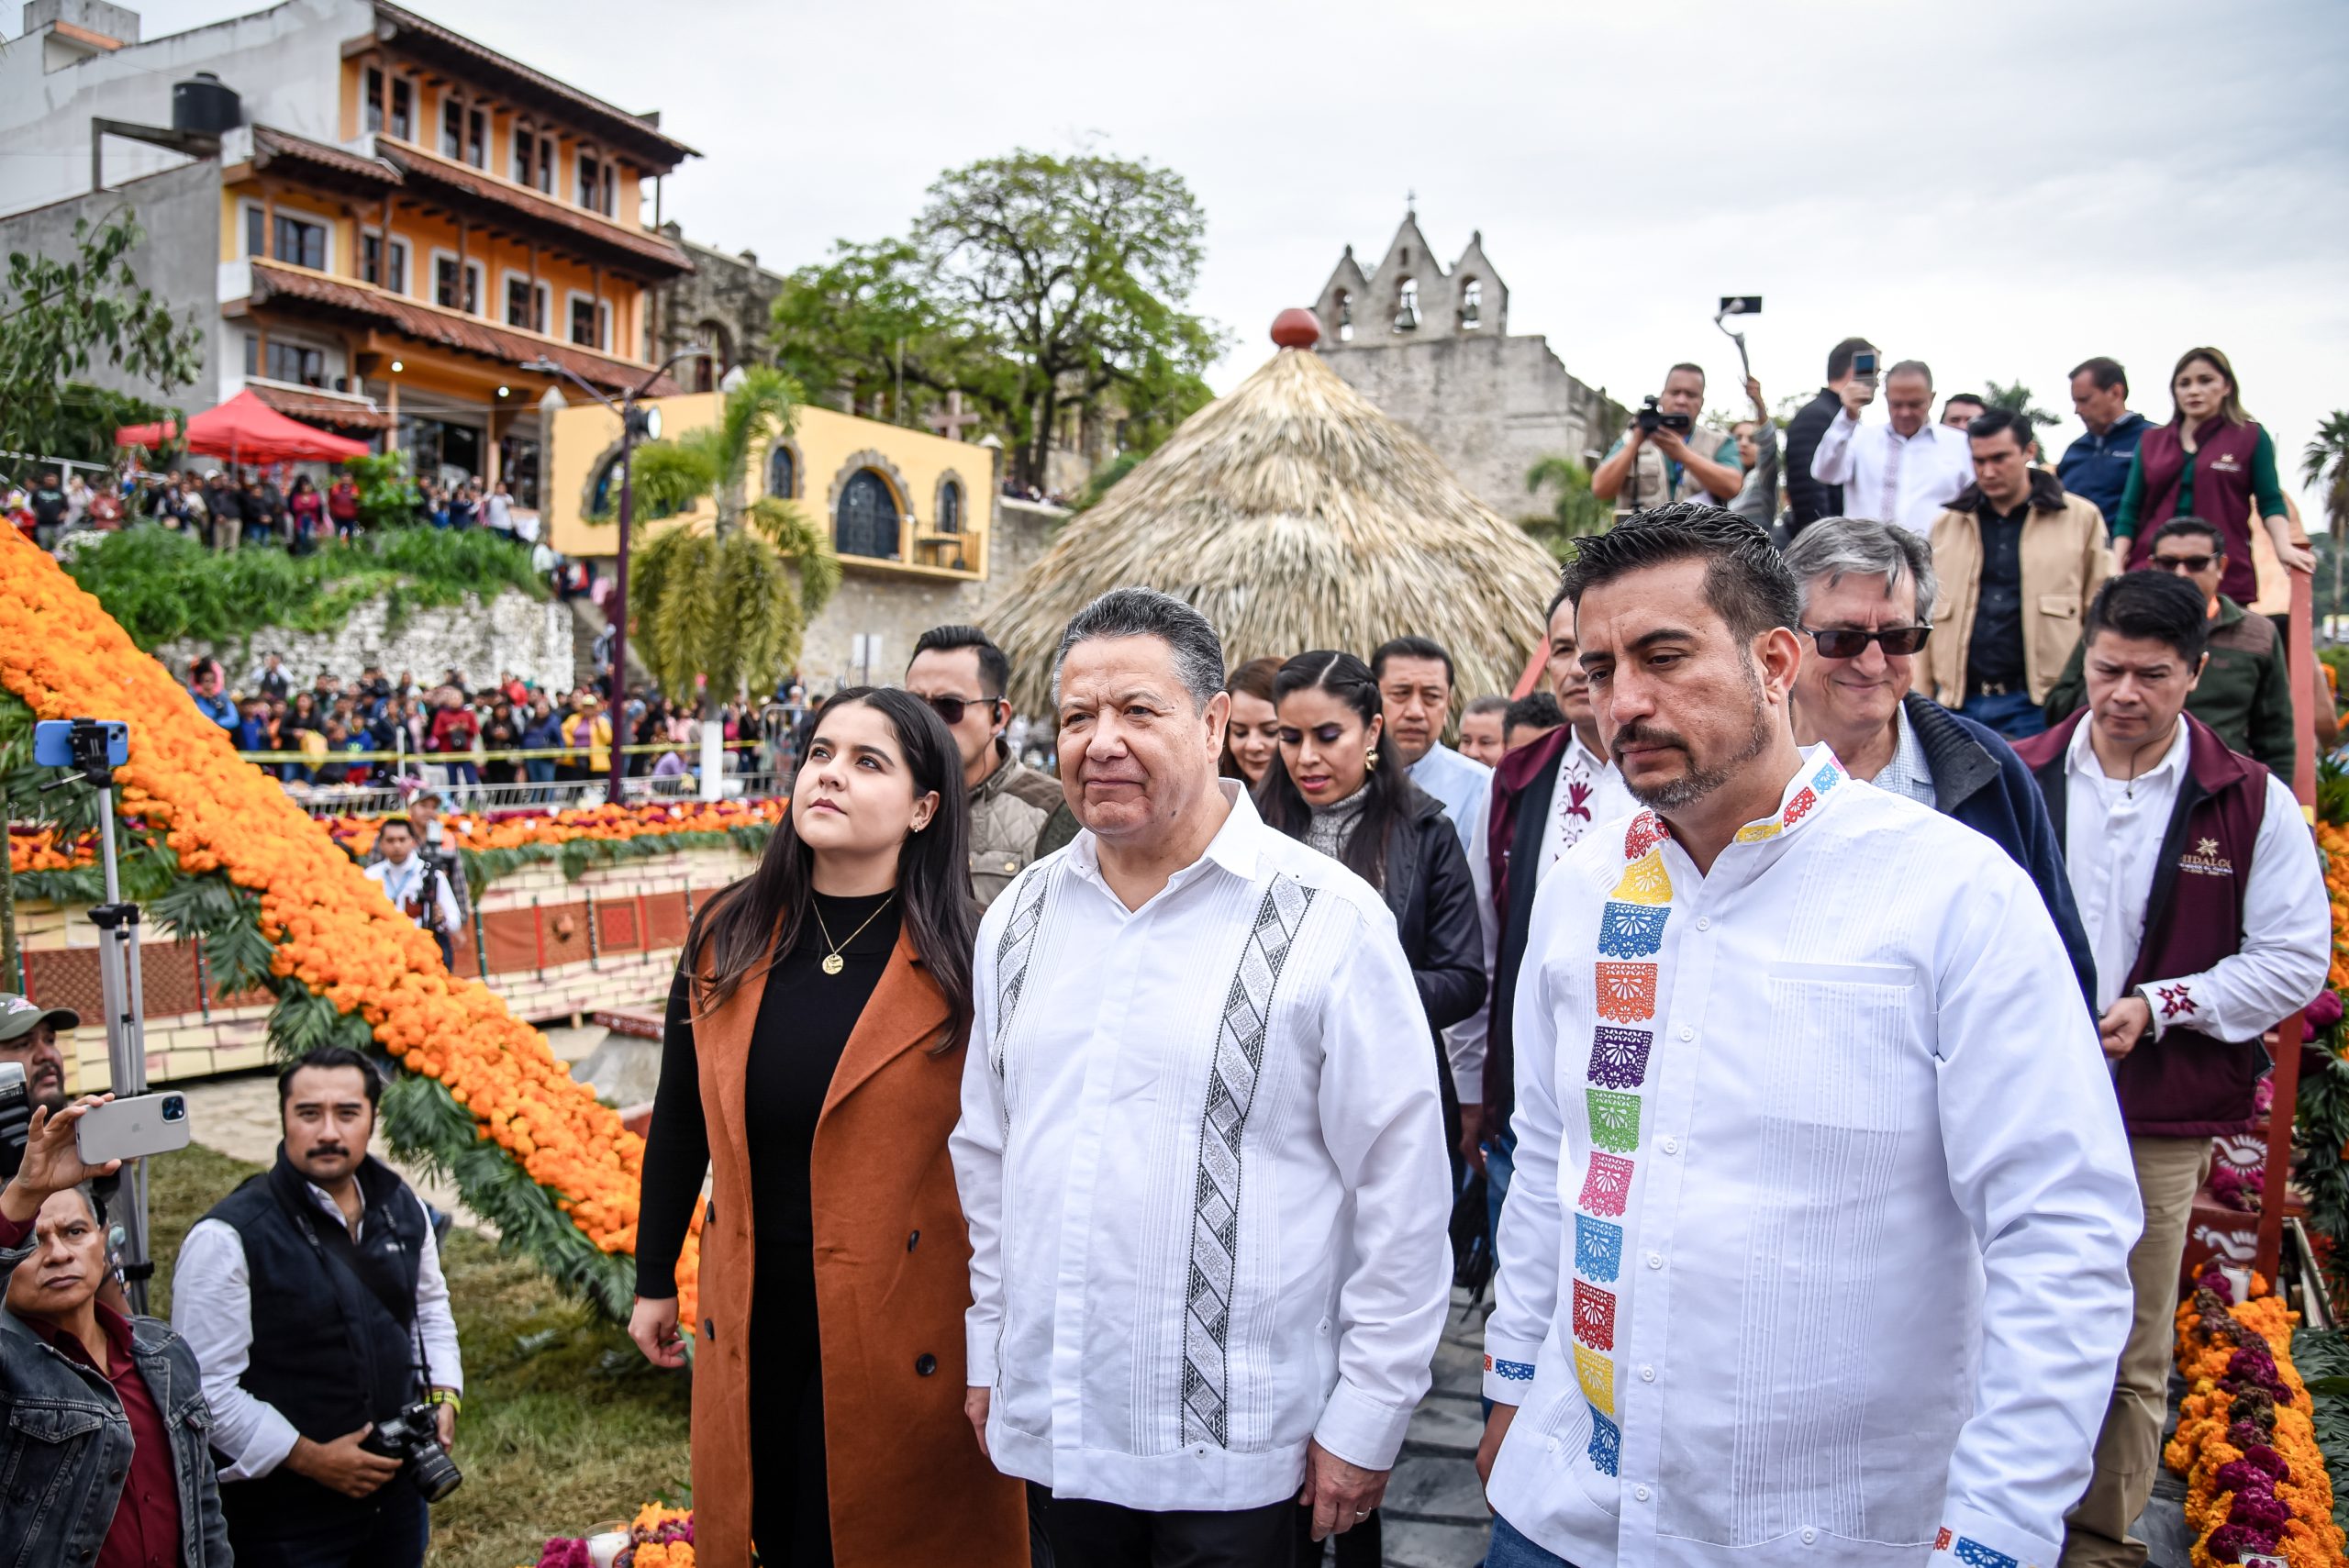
132	1129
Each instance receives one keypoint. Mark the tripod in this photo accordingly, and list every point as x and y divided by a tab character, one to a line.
125	1003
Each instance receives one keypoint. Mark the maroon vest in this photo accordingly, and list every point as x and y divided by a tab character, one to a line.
2187	1083
2221	493
1524	783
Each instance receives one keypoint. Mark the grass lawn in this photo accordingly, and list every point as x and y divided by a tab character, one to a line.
565	1425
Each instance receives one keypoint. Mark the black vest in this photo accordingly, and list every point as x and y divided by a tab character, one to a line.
333	1346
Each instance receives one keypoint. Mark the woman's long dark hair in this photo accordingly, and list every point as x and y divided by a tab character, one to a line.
736	933
1387	792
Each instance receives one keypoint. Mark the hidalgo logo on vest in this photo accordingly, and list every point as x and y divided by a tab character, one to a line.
2206	861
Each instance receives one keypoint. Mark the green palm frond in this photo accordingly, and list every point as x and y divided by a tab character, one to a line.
667	477
2325	466
804	547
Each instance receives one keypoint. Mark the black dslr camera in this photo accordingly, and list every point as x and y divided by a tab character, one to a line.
413	1437
16	1116
1650	419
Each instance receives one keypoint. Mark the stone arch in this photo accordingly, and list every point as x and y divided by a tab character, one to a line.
878	464
797	478
938	511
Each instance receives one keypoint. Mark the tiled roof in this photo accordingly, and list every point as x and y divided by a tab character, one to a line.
320	409
425	173
272	147
292	288
427	39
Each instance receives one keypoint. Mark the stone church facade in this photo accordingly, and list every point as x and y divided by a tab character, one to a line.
1430	345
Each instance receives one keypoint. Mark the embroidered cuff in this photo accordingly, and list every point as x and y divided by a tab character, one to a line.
1361	1428
1508	1369
1972	1538
2174	1002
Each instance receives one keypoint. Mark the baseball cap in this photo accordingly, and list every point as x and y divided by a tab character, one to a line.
20	1017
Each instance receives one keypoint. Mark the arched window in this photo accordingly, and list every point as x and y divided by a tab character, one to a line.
867	522
1407	309
949	508
783	475
1472	304
1345	317
710	369
604	501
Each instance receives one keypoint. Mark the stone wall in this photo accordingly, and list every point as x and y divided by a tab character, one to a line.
896	608
553	949
1491	408
733	293
513	631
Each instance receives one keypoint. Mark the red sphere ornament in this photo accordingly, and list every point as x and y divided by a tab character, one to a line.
1295	328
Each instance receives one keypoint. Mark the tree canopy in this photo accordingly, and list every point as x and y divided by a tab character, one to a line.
58	317
1034	284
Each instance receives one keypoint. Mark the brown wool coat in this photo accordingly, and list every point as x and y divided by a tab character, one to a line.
908	1484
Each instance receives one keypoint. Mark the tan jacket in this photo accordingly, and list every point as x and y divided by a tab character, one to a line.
1018	816
2065	557
906	1482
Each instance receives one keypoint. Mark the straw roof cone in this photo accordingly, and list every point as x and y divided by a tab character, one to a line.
1294	515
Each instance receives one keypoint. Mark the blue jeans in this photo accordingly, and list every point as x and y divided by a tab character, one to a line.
2014	715
1510	1549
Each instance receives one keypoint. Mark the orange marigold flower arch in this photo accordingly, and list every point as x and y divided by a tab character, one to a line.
63	656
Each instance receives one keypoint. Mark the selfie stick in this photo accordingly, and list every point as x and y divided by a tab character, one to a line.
118	985
1735	306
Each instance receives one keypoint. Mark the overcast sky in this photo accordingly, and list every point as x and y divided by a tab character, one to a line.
2000	189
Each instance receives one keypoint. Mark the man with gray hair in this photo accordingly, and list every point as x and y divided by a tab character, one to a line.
1868	602
1203	1174
1904	471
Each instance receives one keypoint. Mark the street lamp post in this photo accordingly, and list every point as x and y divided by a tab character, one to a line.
633	420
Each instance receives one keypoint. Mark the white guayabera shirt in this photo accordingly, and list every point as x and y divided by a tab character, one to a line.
1816	1246
1202	1160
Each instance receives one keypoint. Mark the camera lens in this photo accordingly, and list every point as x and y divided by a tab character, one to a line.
174	1108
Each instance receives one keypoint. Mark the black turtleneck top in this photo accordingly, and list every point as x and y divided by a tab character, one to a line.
803	1023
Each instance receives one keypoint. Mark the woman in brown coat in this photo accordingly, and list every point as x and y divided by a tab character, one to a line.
812	1062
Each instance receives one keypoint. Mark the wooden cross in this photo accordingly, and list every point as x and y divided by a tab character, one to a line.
951	420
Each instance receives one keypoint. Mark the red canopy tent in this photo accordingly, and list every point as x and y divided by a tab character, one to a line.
246	430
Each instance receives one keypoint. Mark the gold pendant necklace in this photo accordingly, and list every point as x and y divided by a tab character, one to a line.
833	964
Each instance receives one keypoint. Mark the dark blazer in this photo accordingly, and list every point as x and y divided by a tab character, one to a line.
1434	904
1979	781
1807	498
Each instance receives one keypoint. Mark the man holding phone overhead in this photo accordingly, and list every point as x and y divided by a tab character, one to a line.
1809	499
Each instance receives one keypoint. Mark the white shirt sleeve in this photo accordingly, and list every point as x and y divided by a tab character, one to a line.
435	1324
1382	1120
976	1146
212	1309
1532	1229
1831	463
1466	1042
2040	1166
2286	948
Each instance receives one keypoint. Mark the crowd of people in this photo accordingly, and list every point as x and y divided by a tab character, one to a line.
237	508
1809	1010
453	734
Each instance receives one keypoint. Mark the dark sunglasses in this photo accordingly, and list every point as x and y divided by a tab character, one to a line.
952	709
1849	642
2183	563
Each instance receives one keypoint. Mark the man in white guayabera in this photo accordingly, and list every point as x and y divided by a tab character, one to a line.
1817	1250
1203	1166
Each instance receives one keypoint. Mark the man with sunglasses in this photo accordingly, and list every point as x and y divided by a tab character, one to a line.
2245	692
1017	815
1868	602
2017	559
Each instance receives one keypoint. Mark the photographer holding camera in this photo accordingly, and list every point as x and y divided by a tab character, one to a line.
1666	456
111	1464
417	884
314	1300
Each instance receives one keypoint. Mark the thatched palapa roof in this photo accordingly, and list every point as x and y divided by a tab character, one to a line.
1294	515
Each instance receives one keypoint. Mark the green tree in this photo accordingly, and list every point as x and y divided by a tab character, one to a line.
2325	466
2015	398
1077	269
60	317
870	323
387	493
1577	513
728	607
